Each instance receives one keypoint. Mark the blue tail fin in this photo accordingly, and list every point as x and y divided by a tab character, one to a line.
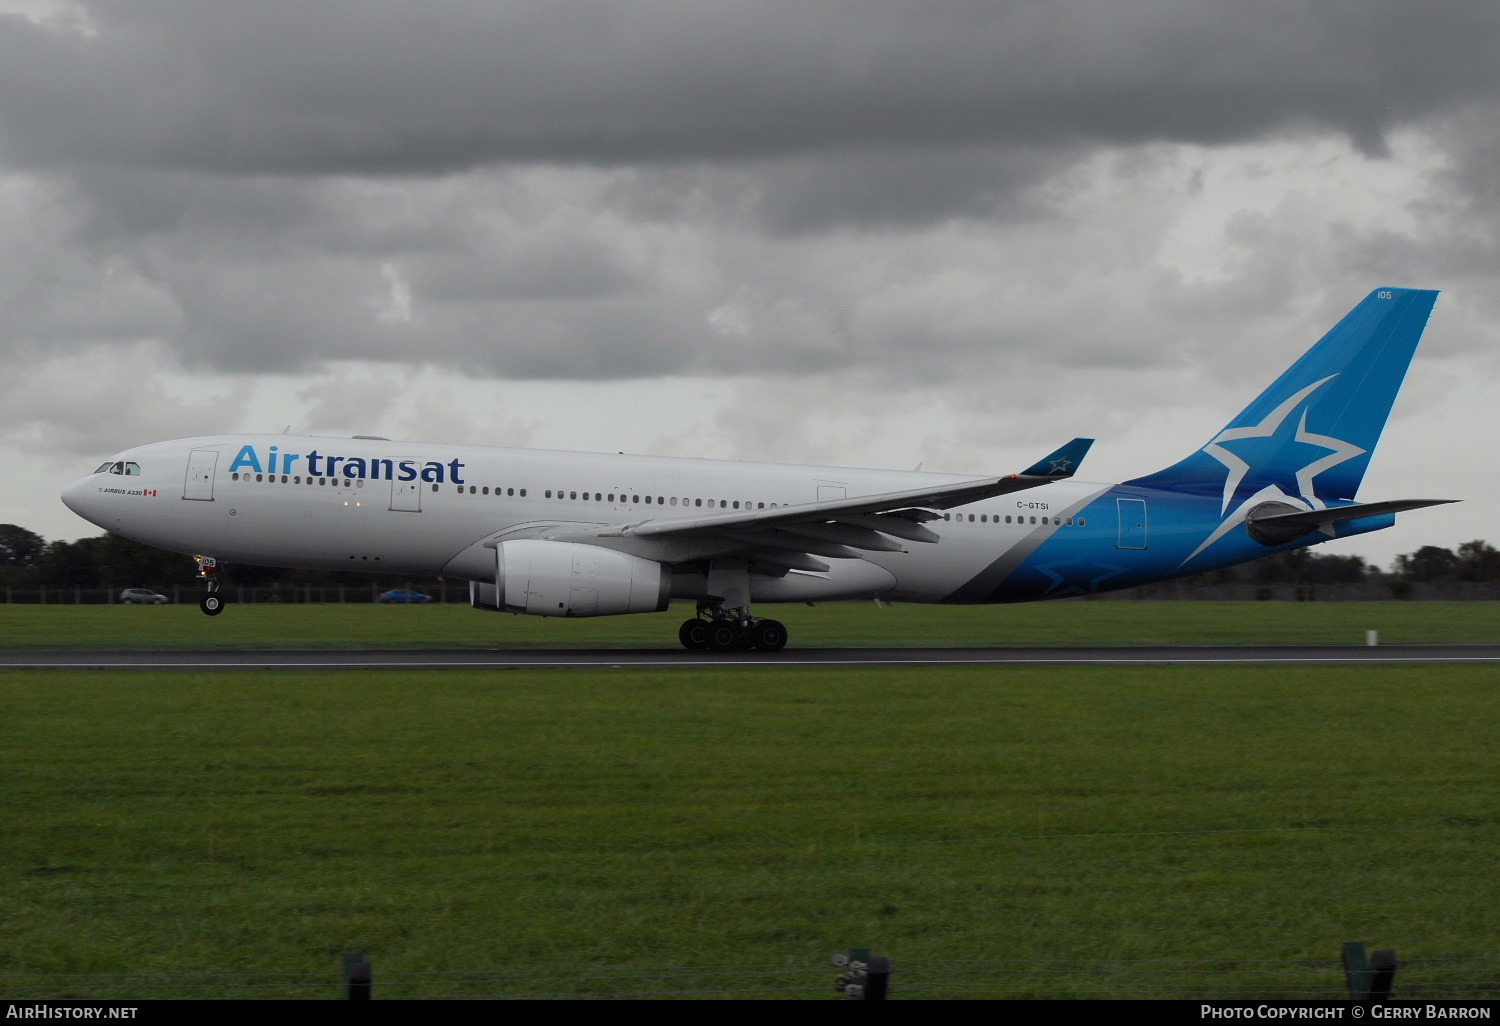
1310	435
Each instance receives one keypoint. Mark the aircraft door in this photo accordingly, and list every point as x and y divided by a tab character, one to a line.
1132	523
199	483
406	496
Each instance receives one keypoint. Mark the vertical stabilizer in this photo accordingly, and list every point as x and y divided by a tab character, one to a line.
1310	435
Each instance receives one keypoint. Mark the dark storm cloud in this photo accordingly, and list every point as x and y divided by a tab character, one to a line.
595	190
364	87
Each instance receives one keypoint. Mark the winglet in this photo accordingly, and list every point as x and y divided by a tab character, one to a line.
1061	463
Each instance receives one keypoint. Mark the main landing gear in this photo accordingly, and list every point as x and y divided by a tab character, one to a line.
208	572
723	630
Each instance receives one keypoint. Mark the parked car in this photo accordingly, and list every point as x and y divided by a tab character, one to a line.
142	597
404	595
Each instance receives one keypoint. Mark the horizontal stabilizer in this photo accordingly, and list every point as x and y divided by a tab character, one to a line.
1276	523
1062	463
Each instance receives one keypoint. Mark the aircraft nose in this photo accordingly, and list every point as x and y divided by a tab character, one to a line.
74	497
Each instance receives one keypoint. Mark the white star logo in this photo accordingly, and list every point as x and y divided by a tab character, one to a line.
1338	451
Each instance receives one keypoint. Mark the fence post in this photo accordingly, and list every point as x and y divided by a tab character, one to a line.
359	978
1369	977
861	976
1382	974
1357	970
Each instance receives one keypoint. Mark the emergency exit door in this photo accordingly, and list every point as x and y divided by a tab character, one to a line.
1132	523
406	496
199	483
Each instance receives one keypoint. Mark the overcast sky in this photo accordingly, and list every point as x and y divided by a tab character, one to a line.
948	233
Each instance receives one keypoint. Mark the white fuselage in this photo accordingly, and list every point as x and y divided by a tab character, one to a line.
413	508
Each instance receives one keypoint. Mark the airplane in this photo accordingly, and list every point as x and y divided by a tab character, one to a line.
574	534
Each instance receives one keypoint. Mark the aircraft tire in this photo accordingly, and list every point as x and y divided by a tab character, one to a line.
693	634
769	636
213	605
723	637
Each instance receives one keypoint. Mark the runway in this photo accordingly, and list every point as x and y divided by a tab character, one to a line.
661	659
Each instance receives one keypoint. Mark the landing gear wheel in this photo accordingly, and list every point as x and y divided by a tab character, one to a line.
723	637
693	634
768	635
213	605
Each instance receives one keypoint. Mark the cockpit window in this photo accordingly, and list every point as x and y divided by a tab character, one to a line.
118	468
104	467
132	470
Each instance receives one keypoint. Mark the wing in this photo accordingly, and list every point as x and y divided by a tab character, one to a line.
788	537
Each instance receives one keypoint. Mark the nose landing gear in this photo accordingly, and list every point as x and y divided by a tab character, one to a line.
208	572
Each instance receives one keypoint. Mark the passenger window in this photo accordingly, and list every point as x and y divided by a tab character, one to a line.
697	502
674	500
434	487
636	498
573	495
523	493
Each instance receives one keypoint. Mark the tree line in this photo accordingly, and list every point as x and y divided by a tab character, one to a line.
108	561
28	561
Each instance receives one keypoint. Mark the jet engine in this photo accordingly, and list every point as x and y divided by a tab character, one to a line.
549	578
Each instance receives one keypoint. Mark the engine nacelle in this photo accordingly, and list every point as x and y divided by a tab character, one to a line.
548	578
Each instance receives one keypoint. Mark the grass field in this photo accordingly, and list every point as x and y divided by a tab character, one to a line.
1163	831
832	624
